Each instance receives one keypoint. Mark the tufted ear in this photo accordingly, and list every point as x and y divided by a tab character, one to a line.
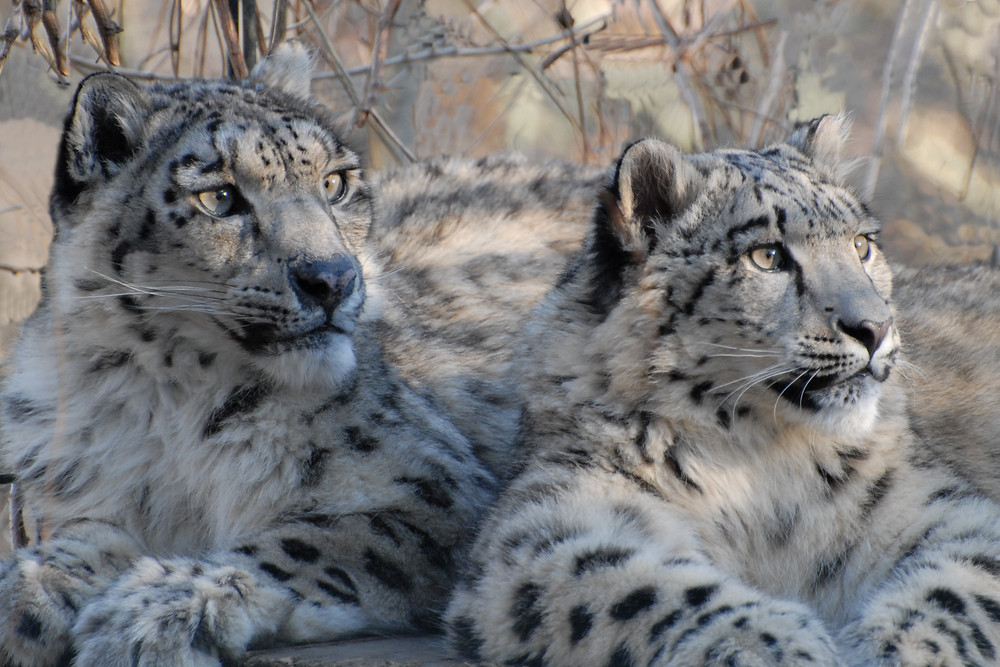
288	68
653	184
102	132
822	140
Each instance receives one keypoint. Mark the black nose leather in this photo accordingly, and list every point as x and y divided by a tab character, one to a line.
324	283
868	333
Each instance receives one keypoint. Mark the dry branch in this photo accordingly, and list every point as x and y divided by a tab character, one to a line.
231	37
108	30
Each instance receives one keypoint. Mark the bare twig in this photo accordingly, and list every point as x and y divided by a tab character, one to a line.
372	82
176	29
108	29
682	76
775	78
51	24
279	21
7	39
550	89
878	141
382	129
930	12
248	19
230	36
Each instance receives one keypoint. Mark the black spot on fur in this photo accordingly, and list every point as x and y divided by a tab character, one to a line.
609	262
748	226
29	627
633	604
110	360
387	573
990	606
699	390
525	612
341	577
118	256
148	225
622	657
85	285
336	593
698	292
608	557
876	492
465	639
580	622
246	550
243	400
299	551
206	359
359	441
675	466
664	624
428	491
314	466
275	571
947	600
700	595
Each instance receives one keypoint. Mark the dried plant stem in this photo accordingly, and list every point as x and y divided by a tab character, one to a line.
878	142
372	82
382	129
930	13
279	22
682	76
231	37
775	77
108	30
7	39
550	89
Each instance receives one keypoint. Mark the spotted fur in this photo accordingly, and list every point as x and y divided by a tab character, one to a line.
950	323
717	464
200	415
470	247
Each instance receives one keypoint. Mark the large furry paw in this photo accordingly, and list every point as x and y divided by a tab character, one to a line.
954	630
768	635
36	612
177	612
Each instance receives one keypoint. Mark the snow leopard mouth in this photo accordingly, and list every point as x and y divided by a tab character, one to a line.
805	390
269	339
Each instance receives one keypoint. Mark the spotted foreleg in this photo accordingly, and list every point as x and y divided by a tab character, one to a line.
43	587
940	604
598	572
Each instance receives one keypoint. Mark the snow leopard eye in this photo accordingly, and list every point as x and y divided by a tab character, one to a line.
862	244
335	186
768	257
218	202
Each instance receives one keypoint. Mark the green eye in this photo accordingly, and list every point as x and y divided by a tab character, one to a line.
335	186
863	246
768	258
217	202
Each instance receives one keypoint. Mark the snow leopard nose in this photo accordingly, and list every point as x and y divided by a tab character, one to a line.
868	333
323	283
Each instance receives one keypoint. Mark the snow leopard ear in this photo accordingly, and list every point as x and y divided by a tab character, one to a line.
822	140
653	184
288	68
102	132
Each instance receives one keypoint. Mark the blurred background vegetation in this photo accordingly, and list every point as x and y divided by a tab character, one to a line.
575	79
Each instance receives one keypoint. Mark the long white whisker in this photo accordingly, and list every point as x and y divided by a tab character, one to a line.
774	413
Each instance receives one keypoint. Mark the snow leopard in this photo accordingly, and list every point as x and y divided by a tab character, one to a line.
215	449
716	464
